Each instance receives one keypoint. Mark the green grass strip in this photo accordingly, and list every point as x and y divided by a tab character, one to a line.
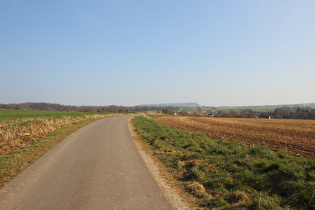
228	174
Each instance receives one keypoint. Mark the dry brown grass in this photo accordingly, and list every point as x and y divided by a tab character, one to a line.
295	136
23	132
23	141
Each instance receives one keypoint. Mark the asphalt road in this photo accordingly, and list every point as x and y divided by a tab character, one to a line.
97	167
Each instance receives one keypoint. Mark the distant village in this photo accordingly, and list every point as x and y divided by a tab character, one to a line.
279	113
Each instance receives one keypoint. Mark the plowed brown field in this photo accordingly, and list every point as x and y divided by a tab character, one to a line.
295	136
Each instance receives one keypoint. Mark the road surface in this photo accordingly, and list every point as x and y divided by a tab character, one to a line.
97	167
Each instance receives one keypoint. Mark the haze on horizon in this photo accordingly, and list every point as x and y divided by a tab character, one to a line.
214	53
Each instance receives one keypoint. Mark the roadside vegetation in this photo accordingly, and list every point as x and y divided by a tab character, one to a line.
26	135
228	174
12	114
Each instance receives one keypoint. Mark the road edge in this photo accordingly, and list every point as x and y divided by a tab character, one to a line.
177	197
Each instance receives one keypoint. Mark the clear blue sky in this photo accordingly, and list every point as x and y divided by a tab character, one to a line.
80	52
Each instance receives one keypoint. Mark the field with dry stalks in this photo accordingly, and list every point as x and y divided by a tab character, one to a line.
20	128
23	132
295	136
26	135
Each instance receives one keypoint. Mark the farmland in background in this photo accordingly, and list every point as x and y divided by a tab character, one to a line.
295	136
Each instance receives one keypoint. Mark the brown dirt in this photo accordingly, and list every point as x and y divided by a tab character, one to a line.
295	136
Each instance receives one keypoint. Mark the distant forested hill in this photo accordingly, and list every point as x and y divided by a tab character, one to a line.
189	105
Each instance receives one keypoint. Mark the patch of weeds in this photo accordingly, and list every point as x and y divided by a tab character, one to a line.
261	200
260	151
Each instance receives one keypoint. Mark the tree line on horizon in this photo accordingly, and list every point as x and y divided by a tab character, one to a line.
69	108
279	113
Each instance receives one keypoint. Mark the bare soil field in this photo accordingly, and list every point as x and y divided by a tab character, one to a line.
295	136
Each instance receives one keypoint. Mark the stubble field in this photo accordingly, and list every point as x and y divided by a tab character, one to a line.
295	136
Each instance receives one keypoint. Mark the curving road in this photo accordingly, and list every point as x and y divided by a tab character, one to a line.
97	167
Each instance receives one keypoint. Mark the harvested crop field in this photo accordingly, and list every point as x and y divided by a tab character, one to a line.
295	136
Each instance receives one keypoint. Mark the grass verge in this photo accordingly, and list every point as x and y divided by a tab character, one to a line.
228	174
14	163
